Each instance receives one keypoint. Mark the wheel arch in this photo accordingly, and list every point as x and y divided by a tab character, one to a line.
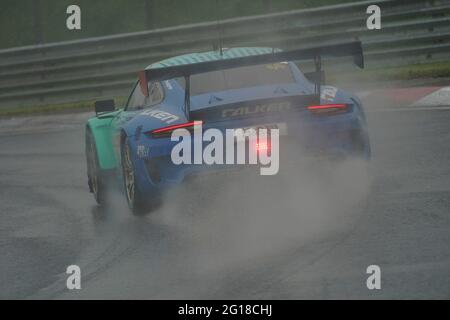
101	132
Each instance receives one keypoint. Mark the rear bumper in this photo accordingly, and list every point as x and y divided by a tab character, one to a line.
336	136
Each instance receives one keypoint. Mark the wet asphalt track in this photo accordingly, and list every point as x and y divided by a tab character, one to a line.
195	247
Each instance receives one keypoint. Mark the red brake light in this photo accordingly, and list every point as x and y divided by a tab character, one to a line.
262	146
168	130
327	108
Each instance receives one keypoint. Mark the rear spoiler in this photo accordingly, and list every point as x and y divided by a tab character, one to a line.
353	49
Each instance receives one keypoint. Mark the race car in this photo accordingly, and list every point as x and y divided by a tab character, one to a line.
227	89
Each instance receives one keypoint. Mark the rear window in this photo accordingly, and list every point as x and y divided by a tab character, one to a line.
243	77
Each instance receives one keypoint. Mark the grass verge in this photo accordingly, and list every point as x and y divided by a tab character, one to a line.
409	72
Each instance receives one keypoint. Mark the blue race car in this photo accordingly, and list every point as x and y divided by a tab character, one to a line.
231	89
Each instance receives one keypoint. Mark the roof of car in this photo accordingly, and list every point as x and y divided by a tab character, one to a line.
211	56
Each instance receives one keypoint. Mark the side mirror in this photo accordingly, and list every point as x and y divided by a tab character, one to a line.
104	106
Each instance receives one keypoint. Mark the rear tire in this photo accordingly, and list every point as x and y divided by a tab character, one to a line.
361	145
136	202
96	180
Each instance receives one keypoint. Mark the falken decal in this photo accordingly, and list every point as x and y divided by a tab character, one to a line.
161	115
261	108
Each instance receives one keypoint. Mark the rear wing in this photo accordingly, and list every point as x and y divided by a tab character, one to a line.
352	49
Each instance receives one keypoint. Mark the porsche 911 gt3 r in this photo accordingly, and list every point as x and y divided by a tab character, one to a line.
234	88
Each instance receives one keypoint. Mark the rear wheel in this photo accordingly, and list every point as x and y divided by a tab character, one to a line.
360	145
95	179
135	199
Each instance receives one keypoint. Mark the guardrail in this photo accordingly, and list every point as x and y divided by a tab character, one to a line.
412	31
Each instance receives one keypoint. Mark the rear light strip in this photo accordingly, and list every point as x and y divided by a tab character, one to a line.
324	108
327	108
169	129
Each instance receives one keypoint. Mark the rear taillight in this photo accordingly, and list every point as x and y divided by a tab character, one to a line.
262	146
328	108
167	131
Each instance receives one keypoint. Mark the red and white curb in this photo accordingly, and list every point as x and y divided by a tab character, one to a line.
414	98
440	97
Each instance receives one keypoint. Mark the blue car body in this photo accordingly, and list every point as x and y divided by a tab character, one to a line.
341	133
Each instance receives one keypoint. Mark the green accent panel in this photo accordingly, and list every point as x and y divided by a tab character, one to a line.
102	131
